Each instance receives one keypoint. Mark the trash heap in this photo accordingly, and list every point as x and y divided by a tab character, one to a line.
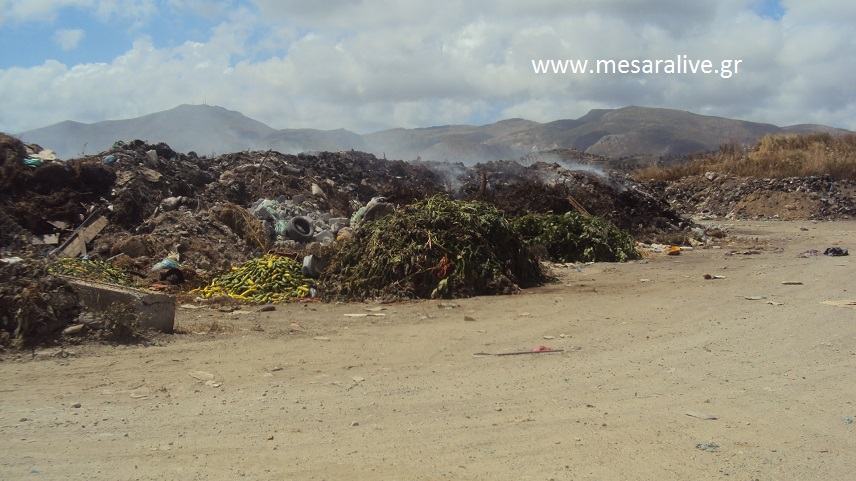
298	220
34	305
374	227
572	237
552	188
720	195
435	248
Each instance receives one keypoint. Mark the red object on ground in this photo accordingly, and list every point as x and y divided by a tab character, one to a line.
542	349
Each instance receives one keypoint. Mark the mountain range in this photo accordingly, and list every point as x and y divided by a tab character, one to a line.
612	133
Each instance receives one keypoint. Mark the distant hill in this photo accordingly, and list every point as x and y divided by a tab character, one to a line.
201	128
613	133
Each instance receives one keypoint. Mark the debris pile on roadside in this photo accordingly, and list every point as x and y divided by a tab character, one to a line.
363	226
552	188
719	195
34	306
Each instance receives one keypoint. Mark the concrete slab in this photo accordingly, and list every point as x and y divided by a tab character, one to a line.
156	310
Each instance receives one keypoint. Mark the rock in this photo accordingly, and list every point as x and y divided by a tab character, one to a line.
76	405
325	237
316	190
152	158
311	266
74	330
710	447
267	308
201	376
131	247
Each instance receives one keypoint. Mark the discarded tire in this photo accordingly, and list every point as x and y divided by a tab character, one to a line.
299	229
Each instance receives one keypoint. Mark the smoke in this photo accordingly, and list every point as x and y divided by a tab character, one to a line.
452	174
554	158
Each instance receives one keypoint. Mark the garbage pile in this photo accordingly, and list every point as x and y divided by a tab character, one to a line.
34	305
719	195
365	226
435	248
298	220
551	188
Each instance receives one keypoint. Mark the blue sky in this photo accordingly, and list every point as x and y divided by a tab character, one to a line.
31	41
366	65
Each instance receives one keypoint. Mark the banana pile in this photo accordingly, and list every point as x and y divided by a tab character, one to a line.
270	278
90	269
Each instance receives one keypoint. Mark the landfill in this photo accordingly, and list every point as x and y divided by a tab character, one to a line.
262	226
721	195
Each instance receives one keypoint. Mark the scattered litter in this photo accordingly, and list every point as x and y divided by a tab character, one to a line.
366	314
774	303
321	338
709	447
809	253
469	319
709	277
698	415
792	283
754	298
848	419
201	375
535	350
375	309
842	303
836	252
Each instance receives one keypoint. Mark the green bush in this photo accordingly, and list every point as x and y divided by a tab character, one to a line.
574	238
435	248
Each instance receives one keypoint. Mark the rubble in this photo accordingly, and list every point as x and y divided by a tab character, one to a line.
719	195
551	188
138	204
34	306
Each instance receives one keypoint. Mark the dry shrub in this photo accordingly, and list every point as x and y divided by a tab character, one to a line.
775	156
244	224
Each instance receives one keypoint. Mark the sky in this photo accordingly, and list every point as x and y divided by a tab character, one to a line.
367	65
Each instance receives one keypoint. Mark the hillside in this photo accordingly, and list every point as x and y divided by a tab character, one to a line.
640	132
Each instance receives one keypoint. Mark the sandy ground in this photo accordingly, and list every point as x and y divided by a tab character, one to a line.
305	392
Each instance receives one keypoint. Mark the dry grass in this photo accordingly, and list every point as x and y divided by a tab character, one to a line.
244	224
775	156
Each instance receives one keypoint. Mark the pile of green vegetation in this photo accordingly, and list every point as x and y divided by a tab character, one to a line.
572	237
90	269
435	248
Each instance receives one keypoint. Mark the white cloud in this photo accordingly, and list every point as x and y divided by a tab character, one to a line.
47	10
367	65
69	39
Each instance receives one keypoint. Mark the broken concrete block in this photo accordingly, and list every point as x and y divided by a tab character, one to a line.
154	310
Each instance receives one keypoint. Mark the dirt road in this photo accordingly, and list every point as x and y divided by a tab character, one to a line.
305	392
